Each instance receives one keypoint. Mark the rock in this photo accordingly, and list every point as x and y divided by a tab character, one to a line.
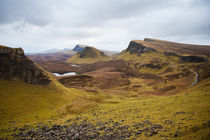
193	59
31	132
138	48
167	88
14	64
170	54
140	132
79	48
177	134
195	129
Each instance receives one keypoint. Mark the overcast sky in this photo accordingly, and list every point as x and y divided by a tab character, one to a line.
38	25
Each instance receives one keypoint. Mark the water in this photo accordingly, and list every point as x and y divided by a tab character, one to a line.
73	65
65	74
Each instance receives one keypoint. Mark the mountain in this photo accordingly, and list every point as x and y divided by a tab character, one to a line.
57	56
179	48
61	55
110	53
79	48
160	48
53	51
88	55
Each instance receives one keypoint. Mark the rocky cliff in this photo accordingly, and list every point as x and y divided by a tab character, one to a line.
15	65
138	48
78	48
193	59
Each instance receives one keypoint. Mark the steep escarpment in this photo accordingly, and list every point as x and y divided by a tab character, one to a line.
88	55
193	59
138	48
15	65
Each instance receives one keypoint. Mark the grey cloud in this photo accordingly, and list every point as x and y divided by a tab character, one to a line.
31	11
107	24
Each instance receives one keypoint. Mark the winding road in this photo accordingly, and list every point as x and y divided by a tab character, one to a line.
195	73
196	78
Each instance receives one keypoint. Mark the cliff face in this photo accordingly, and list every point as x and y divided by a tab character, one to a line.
15	65
78	48
138	48
193	59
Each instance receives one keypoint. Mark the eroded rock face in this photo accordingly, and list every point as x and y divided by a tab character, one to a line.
15	65
79	48
193	59
170	54
138	48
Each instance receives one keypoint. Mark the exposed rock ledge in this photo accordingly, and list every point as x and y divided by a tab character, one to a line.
15	65
138	48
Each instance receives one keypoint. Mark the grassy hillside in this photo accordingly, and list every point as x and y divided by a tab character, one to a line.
156	100
24	104
184	115
87	56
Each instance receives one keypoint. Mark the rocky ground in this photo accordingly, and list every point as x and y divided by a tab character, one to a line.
85	130
101	130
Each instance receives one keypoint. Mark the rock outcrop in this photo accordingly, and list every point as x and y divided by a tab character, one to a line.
78	48
15	65
193	59
138	48
170	54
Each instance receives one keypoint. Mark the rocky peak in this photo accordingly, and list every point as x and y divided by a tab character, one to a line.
90	52
138	48
79	48
15	65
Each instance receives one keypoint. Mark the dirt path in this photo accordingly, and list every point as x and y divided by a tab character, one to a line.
195	73
196	78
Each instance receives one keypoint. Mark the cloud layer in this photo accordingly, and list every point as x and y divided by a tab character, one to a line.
38	25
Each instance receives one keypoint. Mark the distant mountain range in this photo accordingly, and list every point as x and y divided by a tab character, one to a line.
61	54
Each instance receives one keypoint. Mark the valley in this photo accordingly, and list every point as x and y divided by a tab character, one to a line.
154	89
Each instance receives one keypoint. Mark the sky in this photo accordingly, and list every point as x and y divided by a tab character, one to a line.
39	25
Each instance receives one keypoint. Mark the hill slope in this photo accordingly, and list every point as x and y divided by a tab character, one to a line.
26	90
151	94
88	55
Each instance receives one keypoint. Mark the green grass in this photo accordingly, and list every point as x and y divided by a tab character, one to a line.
24	104
76	60
194	102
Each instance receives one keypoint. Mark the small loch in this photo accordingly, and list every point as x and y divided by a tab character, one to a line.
65	74
74	65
